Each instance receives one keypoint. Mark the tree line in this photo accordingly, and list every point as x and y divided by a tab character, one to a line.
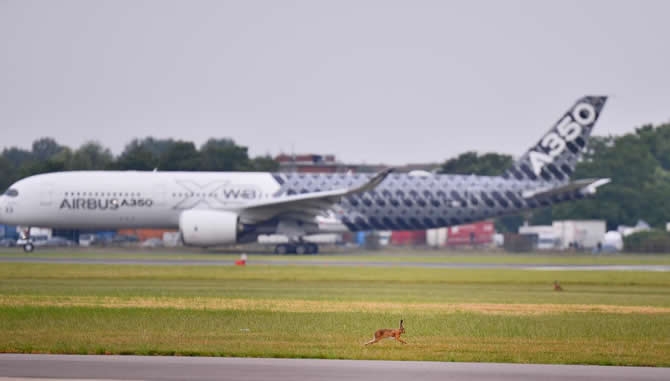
47	155
638	164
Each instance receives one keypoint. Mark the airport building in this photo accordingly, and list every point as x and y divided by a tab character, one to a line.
311	163
566	234
316	163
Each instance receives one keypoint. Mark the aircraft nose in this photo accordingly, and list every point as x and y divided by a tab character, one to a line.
5	208
7	212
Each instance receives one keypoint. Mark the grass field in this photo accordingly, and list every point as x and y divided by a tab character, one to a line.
613	317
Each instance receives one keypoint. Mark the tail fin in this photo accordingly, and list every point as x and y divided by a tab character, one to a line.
554	157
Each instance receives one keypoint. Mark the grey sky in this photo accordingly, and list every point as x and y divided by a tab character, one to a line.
370	81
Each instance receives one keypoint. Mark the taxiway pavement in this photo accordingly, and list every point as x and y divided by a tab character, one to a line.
20	366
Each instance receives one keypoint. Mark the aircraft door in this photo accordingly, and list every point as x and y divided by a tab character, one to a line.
46	195
159	195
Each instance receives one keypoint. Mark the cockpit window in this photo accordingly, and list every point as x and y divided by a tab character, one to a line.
11	192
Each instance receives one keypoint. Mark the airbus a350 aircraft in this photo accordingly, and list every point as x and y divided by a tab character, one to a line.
218	208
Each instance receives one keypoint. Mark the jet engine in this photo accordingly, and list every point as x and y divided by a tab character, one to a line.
209	227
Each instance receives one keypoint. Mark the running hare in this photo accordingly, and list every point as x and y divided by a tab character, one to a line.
386	333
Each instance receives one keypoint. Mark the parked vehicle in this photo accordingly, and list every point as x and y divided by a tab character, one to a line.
117	240
152	242
86	240
37	240
44	241
56	242
121	239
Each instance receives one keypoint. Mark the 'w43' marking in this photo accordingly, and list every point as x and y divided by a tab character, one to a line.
216	194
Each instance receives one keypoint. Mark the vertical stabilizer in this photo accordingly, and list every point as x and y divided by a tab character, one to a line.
554	157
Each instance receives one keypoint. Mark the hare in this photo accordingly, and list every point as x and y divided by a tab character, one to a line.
386	333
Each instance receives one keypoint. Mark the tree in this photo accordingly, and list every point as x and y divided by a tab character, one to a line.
7	173
264	164
157	147
91	156
223	155
658	141
470	163
137	156
45	148
17	156
511	223
181	156
57	162
640	183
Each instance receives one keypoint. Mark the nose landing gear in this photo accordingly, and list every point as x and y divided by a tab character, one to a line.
24	236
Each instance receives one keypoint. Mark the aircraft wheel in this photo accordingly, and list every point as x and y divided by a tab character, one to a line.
312	248
301	249
28	247
281	249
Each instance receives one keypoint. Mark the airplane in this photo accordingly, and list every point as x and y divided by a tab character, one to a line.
219	208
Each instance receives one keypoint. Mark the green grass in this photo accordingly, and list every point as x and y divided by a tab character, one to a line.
405	285
607	339
347	291
617	317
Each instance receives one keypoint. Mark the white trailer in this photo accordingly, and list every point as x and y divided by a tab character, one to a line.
547	238
436	237
580	233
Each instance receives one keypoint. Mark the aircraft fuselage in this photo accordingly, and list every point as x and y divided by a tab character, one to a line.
130	199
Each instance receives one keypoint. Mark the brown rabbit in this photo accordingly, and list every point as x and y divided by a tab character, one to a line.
386	333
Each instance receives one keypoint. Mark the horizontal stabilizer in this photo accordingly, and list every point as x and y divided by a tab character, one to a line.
585	186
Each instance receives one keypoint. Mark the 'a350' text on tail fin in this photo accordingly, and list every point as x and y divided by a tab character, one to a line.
554	157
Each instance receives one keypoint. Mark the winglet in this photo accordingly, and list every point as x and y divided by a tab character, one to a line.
373	182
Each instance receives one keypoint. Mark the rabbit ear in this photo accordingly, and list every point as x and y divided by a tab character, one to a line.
401	323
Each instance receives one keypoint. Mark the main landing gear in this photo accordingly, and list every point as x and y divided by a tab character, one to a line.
297	248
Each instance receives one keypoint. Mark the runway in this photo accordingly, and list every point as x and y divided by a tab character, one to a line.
358	263
13	366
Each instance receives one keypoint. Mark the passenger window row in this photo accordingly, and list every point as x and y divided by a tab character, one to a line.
103	194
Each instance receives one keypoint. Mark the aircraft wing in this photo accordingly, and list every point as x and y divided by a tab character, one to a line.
585	186
305	207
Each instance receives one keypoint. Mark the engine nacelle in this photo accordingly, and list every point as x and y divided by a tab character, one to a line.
208	227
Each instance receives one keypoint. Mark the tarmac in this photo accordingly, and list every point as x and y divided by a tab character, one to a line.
76	367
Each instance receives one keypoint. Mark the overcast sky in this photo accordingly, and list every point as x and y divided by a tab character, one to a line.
369	81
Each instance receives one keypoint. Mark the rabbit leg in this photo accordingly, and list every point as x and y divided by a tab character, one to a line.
374	340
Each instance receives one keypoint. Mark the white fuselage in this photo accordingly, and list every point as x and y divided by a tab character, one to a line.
253	203
128	199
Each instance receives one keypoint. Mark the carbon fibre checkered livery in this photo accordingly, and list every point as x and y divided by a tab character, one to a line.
405	202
